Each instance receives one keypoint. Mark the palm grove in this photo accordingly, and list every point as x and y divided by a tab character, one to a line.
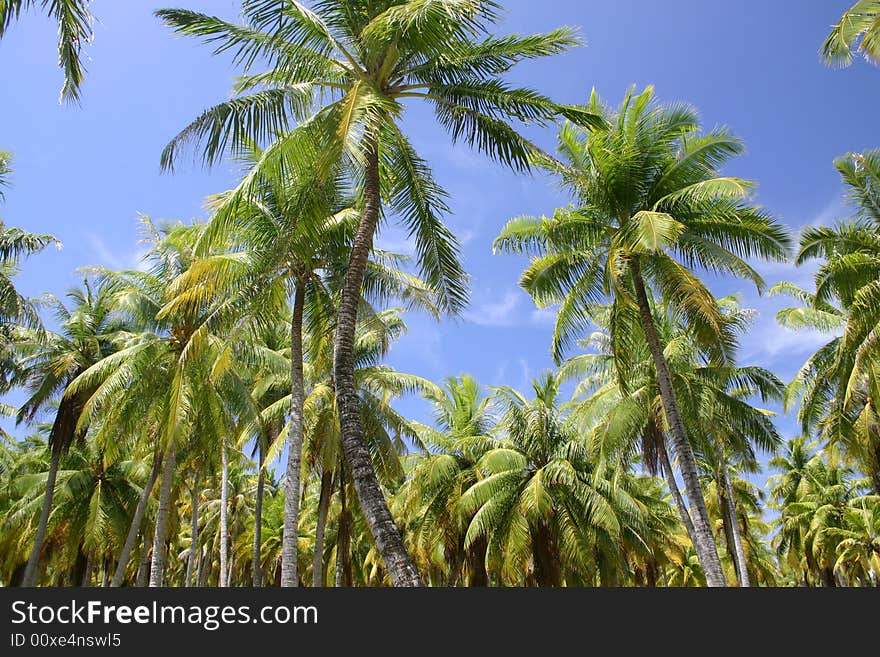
155	408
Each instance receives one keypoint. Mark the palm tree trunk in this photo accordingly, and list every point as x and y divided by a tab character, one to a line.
194	531
742	569
224	516
704	544
87	571
143	573
726	525
385	532
343	541
157	568
676	494
30	572
202	577
258	515
136	522
323	508
290	530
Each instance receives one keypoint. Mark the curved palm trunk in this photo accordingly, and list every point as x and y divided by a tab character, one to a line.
30	572
676	494
258	516
194	531
323	508
742	568
136	522
290	530
704	542
397	561
224	517
157	568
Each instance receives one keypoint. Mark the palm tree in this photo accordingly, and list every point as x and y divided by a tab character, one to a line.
164	375
17	313
623	412
806	523
50	362
15	244
361	62
74	31
858	541
857	32
837	387
438	478
542	500
650	207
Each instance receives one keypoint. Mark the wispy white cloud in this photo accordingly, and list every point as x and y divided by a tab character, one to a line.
104	255
503	312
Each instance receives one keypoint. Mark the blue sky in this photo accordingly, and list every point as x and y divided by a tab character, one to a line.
84	173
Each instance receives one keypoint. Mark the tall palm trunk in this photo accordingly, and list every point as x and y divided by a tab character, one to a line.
673	488
704	542
30	572
87	571
742	568
258	514
290	530
397	561
194	531
323	508
143	573
157	568
136	521
343	541
224	516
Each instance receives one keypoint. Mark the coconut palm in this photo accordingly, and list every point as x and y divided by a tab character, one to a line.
74	31
437	479
650	206
15	244
549	512
857	32
624	413
346	70
165	375
50	362
277	239
837	387
858	541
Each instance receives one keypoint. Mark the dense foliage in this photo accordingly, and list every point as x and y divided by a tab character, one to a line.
223	415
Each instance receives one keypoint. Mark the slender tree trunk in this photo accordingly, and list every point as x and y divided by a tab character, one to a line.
143	573
343	541
290	530
224	516
105	576
705	542
397	561
30	572
194	531
742	569
676	494
726	525
258	515
136	521
87	573
323	508
202	577
157	567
